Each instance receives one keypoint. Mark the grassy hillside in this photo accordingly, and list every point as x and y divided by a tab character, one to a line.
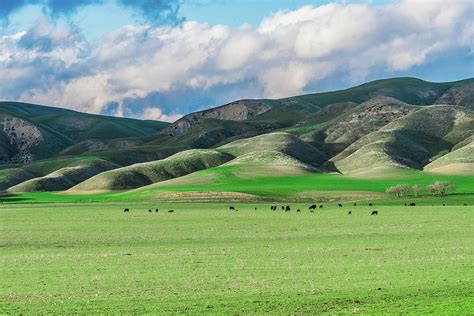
345	129
142	174
30	132
367	130
459	161
281	142
64	178
411	141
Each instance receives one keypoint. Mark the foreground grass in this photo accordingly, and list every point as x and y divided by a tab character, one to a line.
95	259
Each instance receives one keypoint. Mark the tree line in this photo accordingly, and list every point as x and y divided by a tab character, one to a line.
441	188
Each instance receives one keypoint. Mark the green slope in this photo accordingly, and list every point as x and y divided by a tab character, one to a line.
138	175
30	132
285	143
459	161
64	178
411	141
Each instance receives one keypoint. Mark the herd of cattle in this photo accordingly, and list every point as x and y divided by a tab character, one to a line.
311	208
287	208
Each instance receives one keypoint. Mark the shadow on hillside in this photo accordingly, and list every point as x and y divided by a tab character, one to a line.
331	167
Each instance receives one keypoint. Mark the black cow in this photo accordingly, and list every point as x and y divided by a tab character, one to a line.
374	213
282	207
126	210
312	211
355	204
370	204
444	204
465	204
312	207
405	204
412	204
231	208
170	211
255	208
349	213
298	210
287	209
340	205
156	210
149	211
321	206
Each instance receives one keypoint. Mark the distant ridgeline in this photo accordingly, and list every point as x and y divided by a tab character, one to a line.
377	127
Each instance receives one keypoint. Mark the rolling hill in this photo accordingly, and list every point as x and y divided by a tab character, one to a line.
29	132
370	130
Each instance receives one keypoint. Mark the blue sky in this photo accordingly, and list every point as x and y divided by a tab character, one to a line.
95	20
164	58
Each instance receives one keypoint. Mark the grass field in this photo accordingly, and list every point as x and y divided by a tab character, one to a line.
295	188
95	259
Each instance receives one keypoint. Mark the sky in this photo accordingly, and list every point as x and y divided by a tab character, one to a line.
161	59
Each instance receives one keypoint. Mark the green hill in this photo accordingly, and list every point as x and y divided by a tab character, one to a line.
411	141
459	161
142	174
29	132
64	178
378	127
285	143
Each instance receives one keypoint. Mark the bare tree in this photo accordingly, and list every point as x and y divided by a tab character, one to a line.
443	187
399	190
417	189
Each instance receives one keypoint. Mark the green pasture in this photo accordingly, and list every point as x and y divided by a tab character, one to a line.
322	187
67	258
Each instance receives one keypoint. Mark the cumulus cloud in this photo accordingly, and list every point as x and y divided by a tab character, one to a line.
157	115
290	52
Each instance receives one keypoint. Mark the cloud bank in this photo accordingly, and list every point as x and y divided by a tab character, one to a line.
161	72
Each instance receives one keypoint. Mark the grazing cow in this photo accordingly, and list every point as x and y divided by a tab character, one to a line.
355	204
126	210
231	208
312	207
170	211
282	207
370	204
255	208
444	204
405	204
156	210
149	211
349	213
298	210
340	205
321	206
287	209
312	211
465	204
374	213
412	204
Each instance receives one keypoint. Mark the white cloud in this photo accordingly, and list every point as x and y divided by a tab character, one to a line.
157	115
286	54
